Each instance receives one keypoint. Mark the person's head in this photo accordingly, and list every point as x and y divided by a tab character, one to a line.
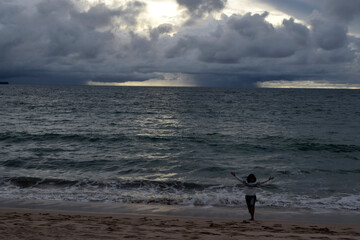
251	178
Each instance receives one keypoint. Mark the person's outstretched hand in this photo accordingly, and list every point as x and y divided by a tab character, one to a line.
232	173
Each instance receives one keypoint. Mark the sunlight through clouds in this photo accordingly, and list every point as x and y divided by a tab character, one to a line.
242	7
162	12
307	84
213	43
169	79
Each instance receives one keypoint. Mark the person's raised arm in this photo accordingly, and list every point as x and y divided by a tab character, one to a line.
234	174
270	178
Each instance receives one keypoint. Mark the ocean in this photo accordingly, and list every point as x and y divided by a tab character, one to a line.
177	146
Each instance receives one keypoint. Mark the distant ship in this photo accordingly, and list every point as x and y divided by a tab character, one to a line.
4	82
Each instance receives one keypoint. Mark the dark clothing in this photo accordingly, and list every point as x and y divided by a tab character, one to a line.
250	201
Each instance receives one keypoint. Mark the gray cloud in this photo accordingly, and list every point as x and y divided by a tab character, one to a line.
344	10
197	9
101	16
161	29
298	32
251	49
242	37
59	28
54	8
300	9
200	7
56	36
329	34
57	41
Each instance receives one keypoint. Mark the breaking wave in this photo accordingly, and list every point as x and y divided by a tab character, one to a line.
163	193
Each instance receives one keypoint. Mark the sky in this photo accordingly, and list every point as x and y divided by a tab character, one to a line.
211	43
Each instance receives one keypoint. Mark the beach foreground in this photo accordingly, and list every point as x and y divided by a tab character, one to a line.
38	224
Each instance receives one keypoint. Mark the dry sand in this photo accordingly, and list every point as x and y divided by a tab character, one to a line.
37	224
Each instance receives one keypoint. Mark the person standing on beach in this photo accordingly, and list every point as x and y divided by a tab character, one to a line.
250	191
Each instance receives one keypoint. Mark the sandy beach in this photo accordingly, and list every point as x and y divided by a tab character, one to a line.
47	224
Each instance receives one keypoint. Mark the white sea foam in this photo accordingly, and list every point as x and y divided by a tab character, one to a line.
152	194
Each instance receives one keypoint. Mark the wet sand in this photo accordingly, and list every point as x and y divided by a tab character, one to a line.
49	224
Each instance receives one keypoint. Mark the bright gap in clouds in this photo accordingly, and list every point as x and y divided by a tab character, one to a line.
245	6
170	80
162	12
157	11
168	11
307	84
148	83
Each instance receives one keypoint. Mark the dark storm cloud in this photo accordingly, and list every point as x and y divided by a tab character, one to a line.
161	29
58	41
101	16
251	49
197	9
55	29
57	36
344	10
329	34
52	7
245	36
200	7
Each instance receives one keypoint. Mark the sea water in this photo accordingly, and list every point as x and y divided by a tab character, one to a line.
177	146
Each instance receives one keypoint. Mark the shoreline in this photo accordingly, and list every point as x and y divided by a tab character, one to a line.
322	216
55	224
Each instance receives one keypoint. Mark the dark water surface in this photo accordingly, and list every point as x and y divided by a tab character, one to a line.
177	145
